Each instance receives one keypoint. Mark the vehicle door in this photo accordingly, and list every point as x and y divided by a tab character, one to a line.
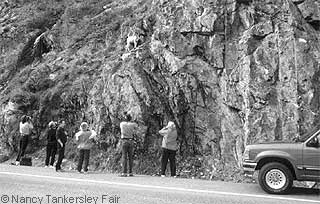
311	157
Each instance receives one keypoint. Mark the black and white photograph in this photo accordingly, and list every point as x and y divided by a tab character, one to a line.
159	101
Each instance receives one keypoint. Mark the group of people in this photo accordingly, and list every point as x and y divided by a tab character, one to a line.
169	146
57	139
56	142
85	137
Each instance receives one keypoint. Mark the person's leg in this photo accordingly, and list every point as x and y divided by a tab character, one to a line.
80	162
58	164
49	149
172	158
20	150
53	153
164	161
130	155
124	156
86	159
25	140
22	147
60	157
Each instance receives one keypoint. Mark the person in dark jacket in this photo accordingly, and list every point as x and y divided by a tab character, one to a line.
51	144
61	136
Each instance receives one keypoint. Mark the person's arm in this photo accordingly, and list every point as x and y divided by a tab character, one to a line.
20	124
48	134
93	135
163	131
58	137
31	125
30	128
78	135
135	131
59	141
135	128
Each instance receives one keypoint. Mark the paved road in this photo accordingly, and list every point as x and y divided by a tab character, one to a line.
19	184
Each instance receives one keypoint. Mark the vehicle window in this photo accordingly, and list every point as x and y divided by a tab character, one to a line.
316	137
304	137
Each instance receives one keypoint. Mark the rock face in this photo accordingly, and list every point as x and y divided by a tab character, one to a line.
228	73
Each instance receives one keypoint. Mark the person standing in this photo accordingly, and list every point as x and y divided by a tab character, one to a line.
25	129
51	144
128	130
85	138
61	136
169	148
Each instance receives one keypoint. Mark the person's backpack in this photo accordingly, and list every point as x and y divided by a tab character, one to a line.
26	161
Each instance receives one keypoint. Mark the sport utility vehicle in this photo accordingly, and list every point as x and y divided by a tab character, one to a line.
281	163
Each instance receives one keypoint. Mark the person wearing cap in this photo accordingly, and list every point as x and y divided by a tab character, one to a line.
51	144
85	139
128	130
25	129
169	148
62	137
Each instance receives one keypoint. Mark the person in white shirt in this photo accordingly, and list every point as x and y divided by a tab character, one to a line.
169	148
85	139
25	129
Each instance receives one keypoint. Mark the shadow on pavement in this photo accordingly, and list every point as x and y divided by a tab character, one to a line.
305	191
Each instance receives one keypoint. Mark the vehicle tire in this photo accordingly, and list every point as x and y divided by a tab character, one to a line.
275	178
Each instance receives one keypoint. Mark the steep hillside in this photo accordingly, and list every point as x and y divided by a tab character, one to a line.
229	73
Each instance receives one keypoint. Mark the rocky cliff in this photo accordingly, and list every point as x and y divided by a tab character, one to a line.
229	73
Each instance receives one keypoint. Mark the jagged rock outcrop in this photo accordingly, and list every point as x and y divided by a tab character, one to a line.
229	73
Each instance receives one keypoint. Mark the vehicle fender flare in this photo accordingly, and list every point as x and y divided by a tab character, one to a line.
281	156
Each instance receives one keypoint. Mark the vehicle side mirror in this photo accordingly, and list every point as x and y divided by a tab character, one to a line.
296	139
314	142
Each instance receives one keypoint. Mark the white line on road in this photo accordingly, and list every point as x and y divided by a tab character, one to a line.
164	187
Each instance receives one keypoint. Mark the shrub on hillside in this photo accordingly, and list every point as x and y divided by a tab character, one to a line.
46	16
25	100
43	20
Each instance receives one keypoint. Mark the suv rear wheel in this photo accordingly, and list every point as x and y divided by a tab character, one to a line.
275	178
